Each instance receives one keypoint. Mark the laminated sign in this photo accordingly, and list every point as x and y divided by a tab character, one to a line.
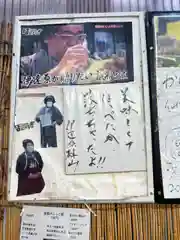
50	223
164	64
80	109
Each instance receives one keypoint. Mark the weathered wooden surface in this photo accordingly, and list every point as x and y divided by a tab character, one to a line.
121	222
113	221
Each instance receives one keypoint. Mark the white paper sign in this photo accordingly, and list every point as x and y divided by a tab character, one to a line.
50	223
168	100
103	127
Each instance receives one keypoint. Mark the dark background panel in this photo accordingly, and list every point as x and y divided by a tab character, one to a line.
151	47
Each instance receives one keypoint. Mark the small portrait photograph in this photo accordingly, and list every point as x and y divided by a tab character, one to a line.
38	143
29	167
48	117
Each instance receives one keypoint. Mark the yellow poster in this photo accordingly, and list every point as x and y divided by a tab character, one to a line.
173	30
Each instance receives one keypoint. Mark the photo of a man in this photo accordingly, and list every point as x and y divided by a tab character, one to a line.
48	117
66	49
57	59
29	166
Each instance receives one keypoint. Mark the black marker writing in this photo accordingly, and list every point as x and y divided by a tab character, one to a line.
109	117
90	106
126	110
174	188
110	138
71	154
124	95
169	81
170	106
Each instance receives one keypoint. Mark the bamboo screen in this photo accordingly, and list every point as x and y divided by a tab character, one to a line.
112	221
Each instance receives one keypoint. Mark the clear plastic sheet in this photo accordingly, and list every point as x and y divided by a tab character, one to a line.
168	104
60	185
97	148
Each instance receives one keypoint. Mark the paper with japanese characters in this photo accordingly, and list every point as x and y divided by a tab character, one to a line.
80	116
103	126
168	101
50	223
169	129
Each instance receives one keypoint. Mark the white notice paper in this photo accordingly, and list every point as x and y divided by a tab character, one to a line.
103	127
51	223
168	91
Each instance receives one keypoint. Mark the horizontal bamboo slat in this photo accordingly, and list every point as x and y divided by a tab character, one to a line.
121	222
113	221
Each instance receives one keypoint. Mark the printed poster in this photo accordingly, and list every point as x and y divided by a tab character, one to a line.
74	54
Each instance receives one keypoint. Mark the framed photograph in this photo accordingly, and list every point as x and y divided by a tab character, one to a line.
164	61
80	117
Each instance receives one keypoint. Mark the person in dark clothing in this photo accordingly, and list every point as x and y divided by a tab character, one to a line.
28	167
48	117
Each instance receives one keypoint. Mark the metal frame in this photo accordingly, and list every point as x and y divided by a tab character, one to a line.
158	178
80	18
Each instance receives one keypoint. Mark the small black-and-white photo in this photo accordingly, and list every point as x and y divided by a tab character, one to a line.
49	116
29	167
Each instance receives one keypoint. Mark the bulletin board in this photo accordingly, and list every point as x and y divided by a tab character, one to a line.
164	49
80	116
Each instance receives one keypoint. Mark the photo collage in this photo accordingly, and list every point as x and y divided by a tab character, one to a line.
53	60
